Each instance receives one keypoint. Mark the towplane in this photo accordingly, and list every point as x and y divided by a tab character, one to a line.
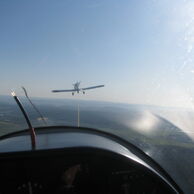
78	89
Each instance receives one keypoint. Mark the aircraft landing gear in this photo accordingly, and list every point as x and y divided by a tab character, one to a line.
72	94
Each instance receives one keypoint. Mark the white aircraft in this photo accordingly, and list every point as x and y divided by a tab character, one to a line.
78	89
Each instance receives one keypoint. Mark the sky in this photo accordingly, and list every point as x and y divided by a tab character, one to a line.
142	50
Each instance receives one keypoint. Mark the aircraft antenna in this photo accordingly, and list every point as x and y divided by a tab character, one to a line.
33	105
32	132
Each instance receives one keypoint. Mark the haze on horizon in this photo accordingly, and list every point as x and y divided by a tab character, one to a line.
141	50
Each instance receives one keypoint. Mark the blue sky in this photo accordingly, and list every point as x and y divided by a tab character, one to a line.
141	50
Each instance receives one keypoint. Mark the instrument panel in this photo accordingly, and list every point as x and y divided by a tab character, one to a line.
75	172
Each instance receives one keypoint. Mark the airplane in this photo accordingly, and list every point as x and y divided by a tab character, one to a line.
78	89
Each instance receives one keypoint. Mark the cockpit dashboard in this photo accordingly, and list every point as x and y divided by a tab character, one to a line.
76	162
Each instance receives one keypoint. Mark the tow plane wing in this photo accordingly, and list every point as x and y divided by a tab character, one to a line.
73	90
92	87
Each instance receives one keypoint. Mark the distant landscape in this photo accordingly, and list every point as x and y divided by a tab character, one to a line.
128	120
